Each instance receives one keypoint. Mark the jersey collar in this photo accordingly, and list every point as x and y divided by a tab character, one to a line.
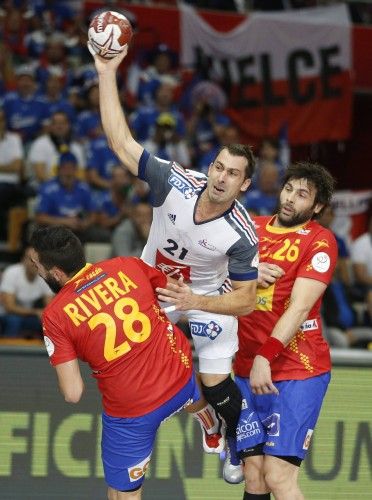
283	230
79	273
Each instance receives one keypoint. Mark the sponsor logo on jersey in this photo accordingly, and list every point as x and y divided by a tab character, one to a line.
321	262
305	232
272	424
172	218
177	182
210	330
247	428
91	282
171	268
307	439
204	243
309	324
137	471
320	244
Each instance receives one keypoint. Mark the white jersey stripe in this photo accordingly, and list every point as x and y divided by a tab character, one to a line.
243	227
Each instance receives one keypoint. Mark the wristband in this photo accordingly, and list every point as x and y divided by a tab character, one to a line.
270	349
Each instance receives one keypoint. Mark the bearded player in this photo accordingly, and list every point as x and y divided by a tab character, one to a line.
283	363
108	316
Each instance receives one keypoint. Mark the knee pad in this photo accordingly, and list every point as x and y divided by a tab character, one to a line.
226	399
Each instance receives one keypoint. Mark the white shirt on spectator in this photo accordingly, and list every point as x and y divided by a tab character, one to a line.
15	282
361	251
10	150
43	150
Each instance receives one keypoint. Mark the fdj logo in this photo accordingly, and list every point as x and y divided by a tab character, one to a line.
182	186
210	330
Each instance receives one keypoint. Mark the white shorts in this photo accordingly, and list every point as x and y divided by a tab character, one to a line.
215	337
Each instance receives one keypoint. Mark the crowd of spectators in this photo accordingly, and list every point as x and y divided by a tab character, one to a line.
55	162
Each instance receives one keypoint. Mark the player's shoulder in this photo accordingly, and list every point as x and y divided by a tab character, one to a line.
239	218
319	231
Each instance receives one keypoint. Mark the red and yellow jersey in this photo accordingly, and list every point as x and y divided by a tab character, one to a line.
306	251
108	315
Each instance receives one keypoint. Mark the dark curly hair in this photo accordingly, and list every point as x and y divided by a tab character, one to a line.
318	176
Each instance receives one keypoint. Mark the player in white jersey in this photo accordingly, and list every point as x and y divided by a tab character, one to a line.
200	232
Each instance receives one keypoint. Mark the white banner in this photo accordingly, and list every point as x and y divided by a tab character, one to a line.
307	31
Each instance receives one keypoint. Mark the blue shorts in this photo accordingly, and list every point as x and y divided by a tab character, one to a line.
127	443
284	422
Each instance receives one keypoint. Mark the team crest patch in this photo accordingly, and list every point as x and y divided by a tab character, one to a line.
178	183
321	262
210	330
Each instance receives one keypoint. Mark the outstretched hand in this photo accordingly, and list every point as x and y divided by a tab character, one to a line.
102	64
179	294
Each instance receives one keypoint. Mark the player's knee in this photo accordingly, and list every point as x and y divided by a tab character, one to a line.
280	475
226	399
254	475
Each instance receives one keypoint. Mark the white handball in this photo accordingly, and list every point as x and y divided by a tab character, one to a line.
109	32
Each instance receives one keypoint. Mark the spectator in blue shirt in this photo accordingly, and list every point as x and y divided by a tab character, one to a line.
25	111
64	200
264	198
143	121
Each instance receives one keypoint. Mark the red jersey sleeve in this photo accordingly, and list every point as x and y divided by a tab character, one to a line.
156	277
57	342
320	258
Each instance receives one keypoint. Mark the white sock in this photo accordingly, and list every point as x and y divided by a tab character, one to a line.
208	419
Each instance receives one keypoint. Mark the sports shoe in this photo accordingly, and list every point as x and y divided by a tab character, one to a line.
213	443
232	468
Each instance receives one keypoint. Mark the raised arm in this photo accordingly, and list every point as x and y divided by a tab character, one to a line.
114	123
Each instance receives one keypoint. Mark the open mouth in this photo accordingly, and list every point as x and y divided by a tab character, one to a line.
287	210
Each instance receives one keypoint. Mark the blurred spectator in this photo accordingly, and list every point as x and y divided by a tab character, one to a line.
100	164
343	271
361	256
55	96
88	125
14	28
44	152
340	318
130	236
264	198
24	109
64	200
269	153
24	295
162	69
116	205
165	143
143	121
228	134
207	119
53	61
12	192
7	74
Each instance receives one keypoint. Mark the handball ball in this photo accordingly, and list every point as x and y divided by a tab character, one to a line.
109	32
